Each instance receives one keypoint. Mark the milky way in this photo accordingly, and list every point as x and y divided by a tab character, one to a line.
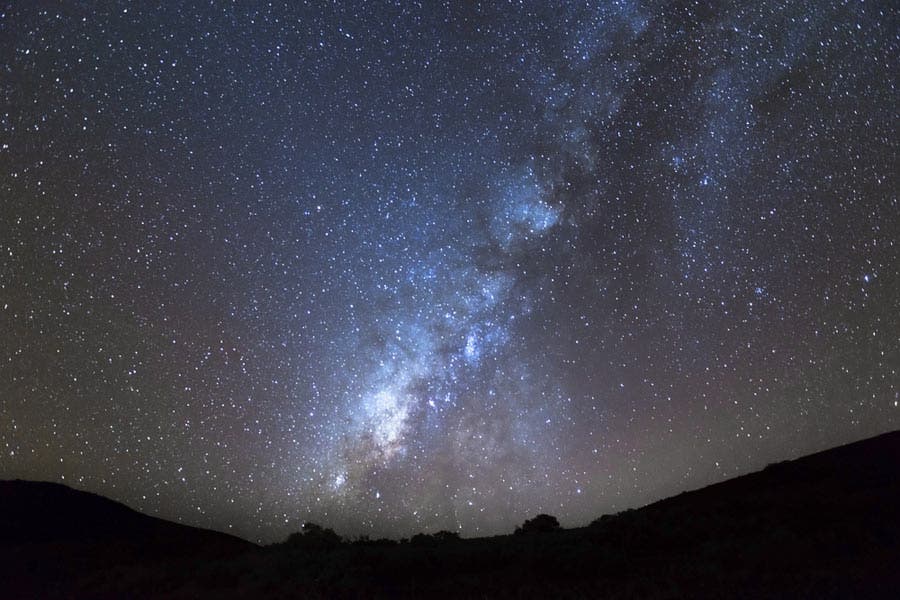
398	267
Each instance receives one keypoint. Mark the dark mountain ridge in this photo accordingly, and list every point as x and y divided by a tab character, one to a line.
39	511
822	526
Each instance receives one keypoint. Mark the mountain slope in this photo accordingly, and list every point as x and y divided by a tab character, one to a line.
37	511
822	526
57	541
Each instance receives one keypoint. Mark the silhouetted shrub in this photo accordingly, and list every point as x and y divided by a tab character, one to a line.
539	524
422	539
446	536
365	540
434	539
314	536
602	521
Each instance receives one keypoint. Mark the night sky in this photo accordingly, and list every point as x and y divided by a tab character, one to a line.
401	267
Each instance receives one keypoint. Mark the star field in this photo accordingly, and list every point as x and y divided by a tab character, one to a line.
401	267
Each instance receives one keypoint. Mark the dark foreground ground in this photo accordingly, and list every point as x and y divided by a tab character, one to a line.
823	526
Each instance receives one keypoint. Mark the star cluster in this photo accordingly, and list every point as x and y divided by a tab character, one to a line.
400	267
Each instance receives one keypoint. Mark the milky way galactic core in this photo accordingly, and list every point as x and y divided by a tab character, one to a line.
401	267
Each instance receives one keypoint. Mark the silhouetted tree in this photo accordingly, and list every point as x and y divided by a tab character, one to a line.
540	524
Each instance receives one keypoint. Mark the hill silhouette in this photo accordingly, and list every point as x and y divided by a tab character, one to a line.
57	541
51	512
822	526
